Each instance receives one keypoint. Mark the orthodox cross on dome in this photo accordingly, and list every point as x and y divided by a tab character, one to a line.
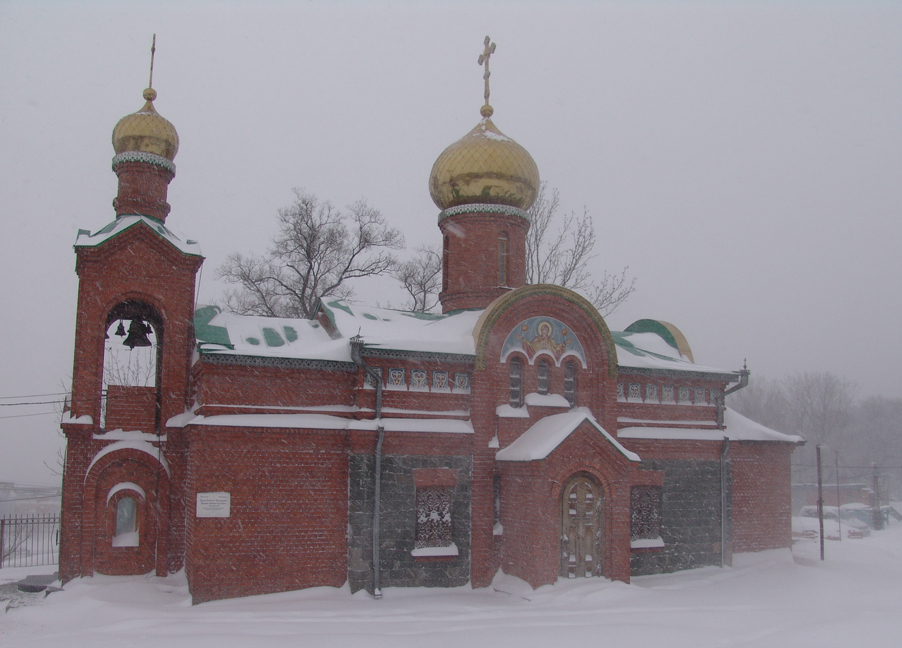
153	50
486	110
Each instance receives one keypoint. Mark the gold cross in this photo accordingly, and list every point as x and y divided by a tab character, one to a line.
486	110
153	50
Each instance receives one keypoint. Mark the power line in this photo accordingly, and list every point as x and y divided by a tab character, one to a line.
34	395
27	415
34	403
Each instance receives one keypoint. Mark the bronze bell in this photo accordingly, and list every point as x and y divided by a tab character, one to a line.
120	330
137	335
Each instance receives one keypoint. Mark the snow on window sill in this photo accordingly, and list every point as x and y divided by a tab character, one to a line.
126	539
546	400
395	387
647	543
506	411
494	442
429	552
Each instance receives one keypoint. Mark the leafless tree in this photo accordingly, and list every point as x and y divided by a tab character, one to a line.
421	277
560	250
317	251
764	401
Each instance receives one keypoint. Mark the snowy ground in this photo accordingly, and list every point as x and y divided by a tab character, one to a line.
773	599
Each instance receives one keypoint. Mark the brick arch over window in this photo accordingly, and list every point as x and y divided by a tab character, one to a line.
498	308
144	471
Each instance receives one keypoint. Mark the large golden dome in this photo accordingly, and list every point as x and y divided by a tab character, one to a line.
146	131
485	166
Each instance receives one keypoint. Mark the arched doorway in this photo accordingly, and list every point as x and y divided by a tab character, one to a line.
582	528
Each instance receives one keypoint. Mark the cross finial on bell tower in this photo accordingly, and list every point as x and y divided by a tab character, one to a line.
486	110
153	50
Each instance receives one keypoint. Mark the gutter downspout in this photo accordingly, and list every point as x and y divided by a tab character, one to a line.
356	347
744	374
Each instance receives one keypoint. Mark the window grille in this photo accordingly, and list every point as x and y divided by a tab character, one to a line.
570	383
645	513
433	517
516	384
544	376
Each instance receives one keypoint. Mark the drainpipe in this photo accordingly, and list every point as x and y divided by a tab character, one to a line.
356	347
743	382
723	503
744	374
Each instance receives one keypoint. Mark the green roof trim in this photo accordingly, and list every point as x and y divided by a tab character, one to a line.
205	332
653	326
272	337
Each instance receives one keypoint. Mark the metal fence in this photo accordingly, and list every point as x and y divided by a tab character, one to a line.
29	540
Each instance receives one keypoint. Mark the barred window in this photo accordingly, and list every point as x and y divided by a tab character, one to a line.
645	513
667	393
433	517
544	376
570	383
440	380
502	259
418	379
516	385
396	378
699	395
684	395
651	393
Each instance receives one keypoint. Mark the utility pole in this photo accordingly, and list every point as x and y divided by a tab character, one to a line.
838	501
877	513
820	499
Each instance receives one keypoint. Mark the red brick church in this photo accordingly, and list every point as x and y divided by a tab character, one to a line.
381	448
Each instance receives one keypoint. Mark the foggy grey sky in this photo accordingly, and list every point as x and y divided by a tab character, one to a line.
743	159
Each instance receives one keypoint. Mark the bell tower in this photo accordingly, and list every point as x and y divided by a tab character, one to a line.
134	341
483	184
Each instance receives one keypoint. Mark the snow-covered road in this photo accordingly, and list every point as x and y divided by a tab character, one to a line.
772	599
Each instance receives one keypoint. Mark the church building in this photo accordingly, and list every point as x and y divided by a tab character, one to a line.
382	448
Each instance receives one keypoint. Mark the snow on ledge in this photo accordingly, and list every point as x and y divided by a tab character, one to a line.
129	539
84	419
548	433
326	422
129	435
506	411
498	529
736	428
647	543
450	550
141	446
124	486
546	400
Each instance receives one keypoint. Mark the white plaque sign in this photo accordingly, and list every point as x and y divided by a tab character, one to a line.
214	504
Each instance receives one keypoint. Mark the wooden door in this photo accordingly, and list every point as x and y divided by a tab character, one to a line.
582	532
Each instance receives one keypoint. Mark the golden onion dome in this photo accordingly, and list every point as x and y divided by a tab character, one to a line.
146	131
485	166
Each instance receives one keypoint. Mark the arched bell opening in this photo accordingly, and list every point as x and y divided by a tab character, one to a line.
132	368
582	527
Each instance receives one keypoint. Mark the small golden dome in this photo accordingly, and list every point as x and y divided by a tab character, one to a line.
485	166
146	131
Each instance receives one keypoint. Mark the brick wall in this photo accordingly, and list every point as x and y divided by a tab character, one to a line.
131	408
289	511
762	495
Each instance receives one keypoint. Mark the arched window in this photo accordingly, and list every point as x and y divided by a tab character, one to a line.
502	259
516	375
544	376
570	383
126	523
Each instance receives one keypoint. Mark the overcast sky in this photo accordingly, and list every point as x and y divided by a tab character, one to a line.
743	159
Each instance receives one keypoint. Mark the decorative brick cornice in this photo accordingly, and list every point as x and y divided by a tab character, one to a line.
400	354
501	305
625	372
287	363
142	156
478	208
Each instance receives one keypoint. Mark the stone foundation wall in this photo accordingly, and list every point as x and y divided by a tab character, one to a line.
690	518
398	523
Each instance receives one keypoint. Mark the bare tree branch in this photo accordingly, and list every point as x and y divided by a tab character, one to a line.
422	279
317	251
565	256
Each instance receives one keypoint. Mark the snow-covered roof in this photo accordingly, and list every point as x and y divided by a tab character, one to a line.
548	433
327	422
736	428
381	328
651	351
122	223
